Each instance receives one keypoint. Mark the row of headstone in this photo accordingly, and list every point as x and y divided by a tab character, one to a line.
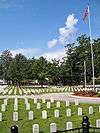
26	91
56	113
53	126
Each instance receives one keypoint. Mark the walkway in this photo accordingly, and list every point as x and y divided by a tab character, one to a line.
56	96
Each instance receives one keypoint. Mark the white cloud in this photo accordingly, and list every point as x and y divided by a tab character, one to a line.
71	21
28	52
66	33
58	55
52	43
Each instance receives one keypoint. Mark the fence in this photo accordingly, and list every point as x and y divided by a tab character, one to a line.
80	130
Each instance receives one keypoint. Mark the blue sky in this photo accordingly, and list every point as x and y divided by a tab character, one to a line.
41	27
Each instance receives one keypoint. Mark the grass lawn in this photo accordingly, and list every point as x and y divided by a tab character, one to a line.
25	126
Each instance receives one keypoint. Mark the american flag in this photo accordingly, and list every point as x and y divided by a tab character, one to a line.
86	13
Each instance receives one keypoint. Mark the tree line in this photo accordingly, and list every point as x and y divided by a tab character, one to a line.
19	70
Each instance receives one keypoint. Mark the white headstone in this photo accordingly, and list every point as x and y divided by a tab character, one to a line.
0	116
68	112
5	102
16	101
30	115
53	128
98	123
3	107
90	110
35	100
56	113
52	100
15	107
28	106
67	103
35	128
76	102
69	125
43	100
26	101
58	104
15	116
44	114
99	108
48	105
38	106
79	111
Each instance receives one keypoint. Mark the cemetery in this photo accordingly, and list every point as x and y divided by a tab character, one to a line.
49	66
38	114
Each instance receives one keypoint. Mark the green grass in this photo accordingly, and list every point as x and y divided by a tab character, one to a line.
25	125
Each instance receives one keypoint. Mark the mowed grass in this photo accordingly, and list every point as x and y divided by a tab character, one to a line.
25	126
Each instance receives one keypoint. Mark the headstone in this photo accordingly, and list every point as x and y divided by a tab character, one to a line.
5	102
38	106
26	101
58	104
99	108
53	128
16	101
56	113
27	106
44	114
90	110
35	128
15	107
43	100
68	112
0	116
79	111
52	100
35	100
98	123
30	115
3	107
67	103
15	116
69	125
48	105
76	102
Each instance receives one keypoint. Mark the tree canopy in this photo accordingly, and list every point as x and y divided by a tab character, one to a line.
70	71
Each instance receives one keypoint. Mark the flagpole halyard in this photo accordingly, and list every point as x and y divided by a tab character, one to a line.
85	74
91	42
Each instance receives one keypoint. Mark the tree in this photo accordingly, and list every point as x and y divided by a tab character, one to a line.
39	70
18	69
5	59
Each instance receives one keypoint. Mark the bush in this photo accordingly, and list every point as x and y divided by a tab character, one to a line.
98	95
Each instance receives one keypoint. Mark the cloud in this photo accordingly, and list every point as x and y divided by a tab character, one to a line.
32	52
58	55
52	43
71	21
28	52
66	33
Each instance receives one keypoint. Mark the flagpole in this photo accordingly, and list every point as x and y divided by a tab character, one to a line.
91	42
85	74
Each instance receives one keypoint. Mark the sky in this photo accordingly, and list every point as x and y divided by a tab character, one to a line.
43	27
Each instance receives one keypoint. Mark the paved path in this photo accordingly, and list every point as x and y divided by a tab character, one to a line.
57	96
